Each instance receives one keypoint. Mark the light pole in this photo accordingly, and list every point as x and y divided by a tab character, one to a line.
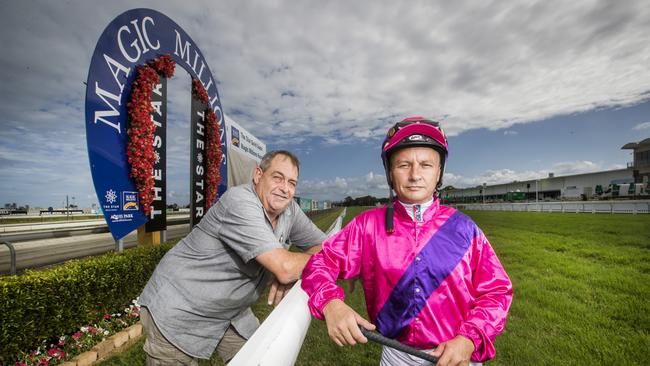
536	191
483	190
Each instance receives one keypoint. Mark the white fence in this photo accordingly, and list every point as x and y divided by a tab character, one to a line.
611	207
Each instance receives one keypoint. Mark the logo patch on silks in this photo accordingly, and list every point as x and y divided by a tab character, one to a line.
234	136
130	201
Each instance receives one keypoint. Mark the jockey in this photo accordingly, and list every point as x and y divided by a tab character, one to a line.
430	276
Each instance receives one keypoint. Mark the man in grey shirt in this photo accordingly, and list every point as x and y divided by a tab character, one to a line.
200	294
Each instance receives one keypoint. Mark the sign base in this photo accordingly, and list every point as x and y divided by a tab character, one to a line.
146	239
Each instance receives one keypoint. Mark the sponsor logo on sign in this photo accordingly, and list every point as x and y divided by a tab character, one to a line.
130	201
234	133
121	217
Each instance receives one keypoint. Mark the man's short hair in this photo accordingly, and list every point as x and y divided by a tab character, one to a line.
266	159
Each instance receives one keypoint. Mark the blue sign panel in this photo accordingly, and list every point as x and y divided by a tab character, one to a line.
132	39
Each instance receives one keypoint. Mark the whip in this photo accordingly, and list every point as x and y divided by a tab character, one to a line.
378	338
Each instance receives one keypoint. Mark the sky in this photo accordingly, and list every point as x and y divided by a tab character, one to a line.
521	88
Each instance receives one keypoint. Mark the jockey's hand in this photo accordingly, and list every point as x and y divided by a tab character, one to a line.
454	352
343	323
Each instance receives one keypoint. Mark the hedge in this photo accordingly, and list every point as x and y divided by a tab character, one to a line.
44	305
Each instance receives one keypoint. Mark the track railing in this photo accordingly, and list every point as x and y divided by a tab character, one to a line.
611	207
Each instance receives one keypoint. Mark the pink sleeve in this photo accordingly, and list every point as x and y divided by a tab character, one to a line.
493	295
339	258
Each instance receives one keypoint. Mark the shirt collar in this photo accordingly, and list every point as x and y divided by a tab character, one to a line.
416	210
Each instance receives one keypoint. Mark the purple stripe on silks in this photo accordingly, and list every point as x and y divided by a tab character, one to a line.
438	258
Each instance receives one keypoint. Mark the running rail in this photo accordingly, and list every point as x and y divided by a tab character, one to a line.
278	340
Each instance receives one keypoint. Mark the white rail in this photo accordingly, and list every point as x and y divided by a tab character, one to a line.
612	207
278	340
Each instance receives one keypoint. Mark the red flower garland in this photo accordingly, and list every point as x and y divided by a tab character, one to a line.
214	154
141	129
199	92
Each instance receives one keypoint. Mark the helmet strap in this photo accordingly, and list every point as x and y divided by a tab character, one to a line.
442	172
390	228
389	214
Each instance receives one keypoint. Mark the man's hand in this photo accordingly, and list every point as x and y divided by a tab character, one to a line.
455	352
277	292
343	323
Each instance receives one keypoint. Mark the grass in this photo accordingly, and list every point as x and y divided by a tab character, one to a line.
324	221
582	284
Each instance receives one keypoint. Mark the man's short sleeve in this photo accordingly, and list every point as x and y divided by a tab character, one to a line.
304	234
246	230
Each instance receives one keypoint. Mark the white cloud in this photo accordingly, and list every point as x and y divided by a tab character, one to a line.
510	133
335	71
642	126
340	187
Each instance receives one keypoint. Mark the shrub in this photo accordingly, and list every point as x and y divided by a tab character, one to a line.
43	305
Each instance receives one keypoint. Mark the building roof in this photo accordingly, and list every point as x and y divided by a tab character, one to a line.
636	145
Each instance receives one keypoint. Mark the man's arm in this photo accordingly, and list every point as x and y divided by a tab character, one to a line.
278	288
286	266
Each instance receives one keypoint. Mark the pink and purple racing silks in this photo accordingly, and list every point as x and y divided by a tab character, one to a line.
424	284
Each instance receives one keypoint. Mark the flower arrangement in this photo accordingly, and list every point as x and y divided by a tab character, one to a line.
68	346
214	156
140	151
199	92
214	153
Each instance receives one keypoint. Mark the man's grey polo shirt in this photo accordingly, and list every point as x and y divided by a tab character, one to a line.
210	278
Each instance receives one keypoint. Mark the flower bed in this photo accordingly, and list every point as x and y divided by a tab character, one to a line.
70	345
41	306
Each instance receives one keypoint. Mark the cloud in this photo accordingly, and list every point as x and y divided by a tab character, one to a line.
510	133
642	126
331	71
340	187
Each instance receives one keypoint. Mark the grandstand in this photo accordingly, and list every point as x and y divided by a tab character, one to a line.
630	182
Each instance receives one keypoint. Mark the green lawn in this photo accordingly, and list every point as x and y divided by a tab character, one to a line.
324	221
582	284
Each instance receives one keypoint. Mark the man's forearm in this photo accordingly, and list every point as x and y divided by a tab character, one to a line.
297	263
285	265
293	267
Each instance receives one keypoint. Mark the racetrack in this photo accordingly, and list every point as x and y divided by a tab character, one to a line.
581	287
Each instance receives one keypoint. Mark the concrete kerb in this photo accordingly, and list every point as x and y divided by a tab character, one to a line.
116	343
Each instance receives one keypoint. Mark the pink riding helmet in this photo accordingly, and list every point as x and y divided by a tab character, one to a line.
412	132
